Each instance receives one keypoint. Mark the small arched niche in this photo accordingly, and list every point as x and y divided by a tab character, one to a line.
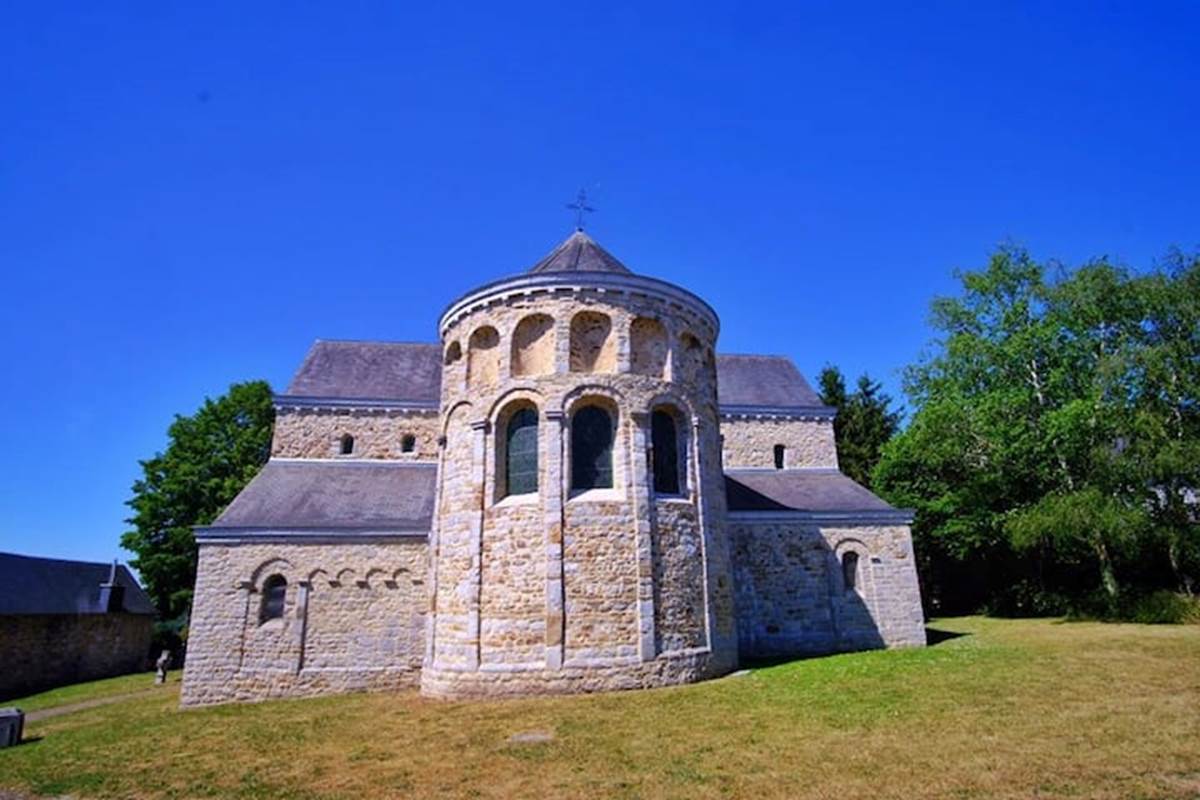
453	354
648	347
593	347
691	356
533	346
483	356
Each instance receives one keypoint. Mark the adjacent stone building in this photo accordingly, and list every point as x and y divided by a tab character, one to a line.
571	491
64	622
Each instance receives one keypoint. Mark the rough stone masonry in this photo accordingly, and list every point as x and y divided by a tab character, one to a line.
570	492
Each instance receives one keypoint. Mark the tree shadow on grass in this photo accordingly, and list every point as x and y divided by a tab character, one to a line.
935	636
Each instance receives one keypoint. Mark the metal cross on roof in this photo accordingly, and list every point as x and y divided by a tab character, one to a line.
580	207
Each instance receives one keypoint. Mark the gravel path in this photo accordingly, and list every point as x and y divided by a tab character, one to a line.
71	708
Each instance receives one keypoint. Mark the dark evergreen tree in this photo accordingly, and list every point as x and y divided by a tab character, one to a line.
865	422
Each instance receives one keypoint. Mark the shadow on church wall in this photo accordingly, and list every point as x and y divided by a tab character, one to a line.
803	591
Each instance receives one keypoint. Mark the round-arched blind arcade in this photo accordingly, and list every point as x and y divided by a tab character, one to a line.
521	453
591	449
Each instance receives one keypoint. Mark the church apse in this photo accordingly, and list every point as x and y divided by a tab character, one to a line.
568	492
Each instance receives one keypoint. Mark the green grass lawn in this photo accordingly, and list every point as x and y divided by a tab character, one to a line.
81	692
1013	709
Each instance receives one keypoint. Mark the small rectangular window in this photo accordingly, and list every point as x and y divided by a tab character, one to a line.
780	452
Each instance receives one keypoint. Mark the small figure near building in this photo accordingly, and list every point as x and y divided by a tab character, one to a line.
161	666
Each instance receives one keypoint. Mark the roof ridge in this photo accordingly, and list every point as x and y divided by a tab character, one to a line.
754	355
105	564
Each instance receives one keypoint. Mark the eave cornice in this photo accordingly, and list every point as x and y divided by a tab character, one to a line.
777	412
295	401
548	283
889	516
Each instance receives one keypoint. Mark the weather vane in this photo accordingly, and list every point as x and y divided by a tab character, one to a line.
580	207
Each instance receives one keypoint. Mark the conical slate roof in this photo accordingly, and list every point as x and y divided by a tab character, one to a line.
579	253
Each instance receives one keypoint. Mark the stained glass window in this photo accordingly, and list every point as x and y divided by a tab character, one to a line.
591	449
521	453
665	442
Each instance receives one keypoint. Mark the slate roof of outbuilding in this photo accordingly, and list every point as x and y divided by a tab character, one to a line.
814	490
335	495
396	371
30	585
579	253
769	381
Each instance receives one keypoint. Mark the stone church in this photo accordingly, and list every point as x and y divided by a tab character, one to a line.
570	492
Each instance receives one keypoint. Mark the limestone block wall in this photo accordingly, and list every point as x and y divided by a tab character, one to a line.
750	442
678	557
564	589
43	651
354	619
513	587
377	433
792	597
600	583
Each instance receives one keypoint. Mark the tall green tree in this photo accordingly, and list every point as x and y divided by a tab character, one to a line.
865	421
1053	446
209	457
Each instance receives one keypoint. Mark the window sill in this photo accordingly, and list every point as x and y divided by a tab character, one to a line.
681	499
596	496
527	499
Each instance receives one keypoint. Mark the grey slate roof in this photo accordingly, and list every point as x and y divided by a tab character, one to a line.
412	372
797	490
30	585
579	253
749	380
330	495
396	371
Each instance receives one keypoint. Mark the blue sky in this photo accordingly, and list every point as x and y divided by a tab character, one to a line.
190	195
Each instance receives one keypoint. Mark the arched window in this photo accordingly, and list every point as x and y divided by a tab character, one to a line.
665	441
521	453
850	570
780	452
408	443
591	449
274	592
347	444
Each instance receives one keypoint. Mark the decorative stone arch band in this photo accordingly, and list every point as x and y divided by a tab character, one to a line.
602	282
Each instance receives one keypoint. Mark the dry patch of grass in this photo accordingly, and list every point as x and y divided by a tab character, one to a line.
1013	709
